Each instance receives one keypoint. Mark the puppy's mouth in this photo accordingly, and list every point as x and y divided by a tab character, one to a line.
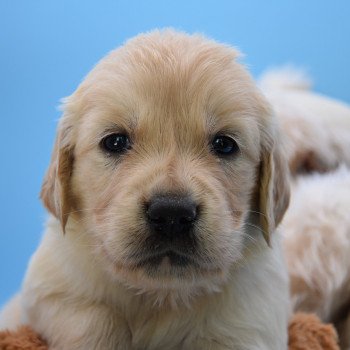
167	258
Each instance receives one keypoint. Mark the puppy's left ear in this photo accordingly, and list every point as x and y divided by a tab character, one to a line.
55	191
274	191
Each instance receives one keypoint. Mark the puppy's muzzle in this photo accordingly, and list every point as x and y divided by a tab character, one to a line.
171	216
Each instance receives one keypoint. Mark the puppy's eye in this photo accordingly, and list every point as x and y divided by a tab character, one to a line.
224	145
116	143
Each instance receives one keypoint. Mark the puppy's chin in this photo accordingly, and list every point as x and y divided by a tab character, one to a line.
169	276
167	270
173	285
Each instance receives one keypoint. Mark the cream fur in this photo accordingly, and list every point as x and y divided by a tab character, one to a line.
171	93
11	314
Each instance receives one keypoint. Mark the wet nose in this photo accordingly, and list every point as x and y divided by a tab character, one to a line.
171	215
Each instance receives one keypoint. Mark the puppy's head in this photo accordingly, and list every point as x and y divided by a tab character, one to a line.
166	157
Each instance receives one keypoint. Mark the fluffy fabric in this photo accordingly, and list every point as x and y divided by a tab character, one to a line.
306	332
21	339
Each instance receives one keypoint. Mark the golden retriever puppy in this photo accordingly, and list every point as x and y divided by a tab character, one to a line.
316	128
165	187
316	227
316	230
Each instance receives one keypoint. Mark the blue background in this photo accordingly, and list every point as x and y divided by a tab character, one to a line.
46	48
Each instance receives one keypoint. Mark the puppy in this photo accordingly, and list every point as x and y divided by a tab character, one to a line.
165	187
316	230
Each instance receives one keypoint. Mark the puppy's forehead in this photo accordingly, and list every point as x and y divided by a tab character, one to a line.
171	80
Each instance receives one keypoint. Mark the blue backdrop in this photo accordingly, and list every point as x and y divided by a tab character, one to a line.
46	48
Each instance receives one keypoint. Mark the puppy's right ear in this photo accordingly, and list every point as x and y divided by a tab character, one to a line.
55	191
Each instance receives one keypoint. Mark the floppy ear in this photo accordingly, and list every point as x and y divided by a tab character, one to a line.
55	191
274	192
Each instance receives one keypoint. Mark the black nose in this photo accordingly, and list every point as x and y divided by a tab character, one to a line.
171	215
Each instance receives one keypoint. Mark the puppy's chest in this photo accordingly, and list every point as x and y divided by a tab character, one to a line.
163	330
187	330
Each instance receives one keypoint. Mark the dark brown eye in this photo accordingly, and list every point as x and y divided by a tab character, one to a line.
116	143
224	145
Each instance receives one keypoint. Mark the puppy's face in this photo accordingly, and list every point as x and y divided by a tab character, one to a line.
164	154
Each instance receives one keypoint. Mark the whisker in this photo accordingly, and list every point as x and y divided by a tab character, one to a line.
257	212
83	210
257	227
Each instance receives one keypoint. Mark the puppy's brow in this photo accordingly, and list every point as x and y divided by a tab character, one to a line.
115	118
124	126
113	128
